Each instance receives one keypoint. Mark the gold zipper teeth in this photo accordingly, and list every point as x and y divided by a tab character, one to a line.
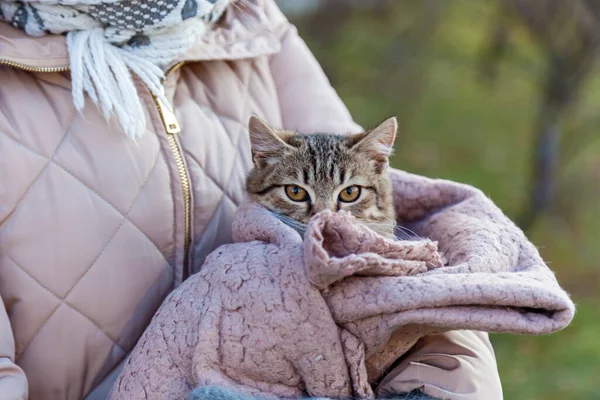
174	68
64	68
30	68
185	188
179	162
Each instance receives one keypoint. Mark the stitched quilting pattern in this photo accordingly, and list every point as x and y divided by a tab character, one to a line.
84	238
219	158
87	241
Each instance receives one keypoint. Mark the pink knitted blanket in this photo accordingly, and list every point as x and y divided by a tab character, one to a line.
273	314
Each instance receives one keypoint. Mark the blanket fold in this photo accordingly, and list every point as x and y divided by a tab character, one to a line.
276	315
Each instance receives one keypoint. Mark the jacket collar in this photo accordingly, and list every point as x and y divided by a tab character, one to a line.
249	28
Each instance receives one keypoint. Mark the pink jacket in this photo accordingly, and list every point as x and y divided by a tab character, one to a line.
96	230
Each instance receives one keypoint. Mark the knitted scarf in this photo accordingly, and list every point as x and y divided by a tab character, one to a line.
109	40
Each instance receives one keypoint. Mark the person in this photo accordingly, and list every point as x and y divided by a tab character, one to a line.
123	155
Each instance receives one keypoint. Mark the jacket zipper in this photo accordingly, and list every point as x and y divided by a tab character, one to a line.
172	128
30	68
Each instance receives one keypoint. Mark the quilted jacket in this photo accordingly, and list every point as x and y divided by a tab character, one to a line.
95	229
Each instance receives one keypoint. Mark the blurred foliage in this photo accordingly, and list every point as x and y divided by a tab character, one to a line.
568	34
421	60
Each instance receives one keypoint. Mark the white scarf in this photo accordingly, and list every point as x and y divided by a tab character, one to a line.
108	40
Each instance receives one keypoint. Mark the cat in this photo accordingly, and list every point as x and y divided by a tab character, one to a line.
296	175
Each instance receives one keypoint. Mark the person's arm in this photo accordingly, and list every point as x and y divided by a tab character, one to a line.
13	383
456	365
308	102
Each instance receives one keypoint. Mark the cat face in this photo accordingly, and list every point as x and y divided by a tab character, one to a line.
297	175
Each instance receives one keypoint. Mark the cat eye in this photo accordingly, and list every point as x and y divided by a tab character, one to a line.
350	194
296	193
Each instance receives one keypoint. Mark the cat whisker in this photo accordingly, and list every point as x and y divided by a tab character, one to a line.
408	232
384	228
291	222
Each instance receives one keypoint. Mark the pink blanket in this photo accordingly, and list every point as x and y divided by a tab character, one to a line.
273	314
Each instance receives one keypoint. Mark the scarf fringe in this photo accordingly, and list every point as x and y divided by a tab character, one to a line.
104	58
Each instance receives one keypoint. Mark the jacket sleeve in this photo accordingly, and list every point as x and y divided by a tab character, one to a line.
13	383
456	365
307	101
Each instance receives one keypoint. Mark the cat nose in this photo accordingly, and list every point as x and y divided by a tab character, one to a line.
322	205
318	210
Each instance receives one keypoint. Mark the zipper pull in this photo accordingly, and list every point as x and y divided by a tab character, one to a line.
168	118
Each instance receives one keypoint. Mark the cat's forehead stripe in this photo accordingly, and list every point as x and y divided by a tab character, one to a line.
342	171
332	168
306	174
324	153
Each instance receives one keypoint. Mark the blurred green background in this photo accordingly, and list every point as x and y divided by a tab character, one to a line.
478	87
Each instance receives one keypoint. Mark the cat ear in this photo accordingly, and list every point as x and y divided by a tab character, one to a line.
266	143
379	142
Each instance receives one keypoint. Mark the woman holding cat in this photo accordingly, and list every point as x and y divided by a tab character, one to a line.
123	156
